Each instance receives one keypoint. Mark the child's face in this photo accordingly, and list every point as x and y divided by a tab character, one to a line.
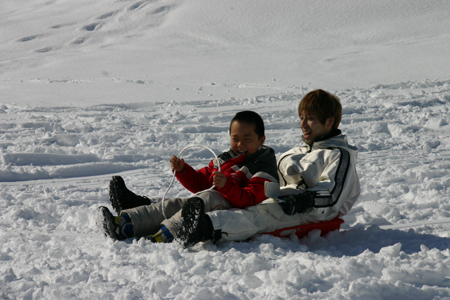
312	128
244	139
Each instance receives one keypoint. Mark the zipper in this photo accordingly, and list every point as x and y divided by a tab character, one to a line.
278	168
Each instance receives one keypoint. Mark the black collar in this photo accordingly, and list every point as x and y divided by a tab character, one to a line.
333	133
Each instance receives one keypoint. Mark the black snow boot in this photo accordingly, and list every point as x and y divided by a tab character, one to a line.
122	198
196	226
115	227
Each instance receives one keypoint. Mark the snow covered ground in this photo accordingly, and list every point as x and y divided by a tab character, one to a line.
94	89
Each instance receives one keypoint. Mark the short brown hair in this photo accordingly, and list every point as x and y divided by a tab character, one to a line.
323	104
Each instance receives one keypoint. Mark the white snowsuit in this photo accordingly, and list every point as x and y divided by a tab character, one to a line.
327	167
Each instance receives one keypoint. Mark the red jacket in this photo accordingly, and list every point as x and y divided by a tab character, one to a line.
245	174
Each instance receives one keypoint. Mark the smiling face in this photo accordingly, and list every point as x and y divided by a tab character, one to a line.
244	138
312	127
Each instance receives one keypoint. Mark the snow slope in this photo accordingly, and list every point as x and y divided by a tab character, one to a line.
58	51
116	87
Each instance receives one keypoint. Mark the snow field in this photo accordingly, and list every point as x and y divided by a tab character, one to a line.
63	157
102	88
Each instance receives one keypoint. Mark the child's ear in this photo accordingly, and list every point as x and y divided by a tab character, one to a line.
262	140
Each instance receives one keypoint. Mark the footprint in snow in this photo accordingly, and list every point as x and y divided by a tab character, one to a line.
28	38
92	27
107	15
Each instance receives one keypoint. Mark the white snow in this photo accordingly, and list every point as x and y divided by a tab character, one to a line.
93	89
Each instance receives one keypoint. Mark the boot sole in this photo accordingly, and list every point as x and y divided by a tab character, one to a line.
102	221
114	195
191	215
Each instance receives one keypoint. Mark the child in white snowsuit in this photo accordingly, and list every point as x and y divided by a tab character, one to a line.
240	183
318	182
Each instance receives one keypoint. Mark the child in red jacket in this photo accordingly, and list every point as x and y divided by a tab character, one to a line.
240	183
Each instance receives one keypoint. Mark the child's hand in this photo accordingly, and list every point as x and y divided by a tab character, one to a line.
177	164
219	180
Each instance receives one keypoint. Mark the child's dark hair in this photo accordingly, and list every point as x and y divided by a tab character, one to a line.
324	104
252	118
